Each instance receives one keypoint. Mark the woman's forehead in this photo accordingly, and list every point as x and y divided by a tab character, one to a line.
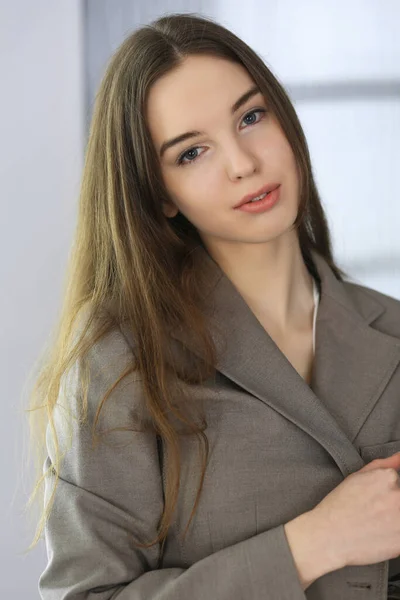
191	97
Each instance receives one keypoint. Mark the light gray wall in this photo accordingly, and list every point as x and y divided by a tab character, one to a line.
41	151
340	61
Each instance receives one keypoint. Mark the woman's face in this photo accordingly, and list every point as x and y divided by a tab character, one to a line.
234	154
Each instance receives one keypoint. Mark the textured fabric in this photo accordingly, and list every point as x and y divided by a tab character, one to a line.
277	447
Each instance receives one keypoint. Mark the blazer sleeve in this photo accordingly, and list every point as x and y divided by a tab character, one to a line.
113	491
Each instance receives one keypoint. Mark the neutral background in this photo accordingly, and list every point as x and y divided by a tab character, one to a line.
339	61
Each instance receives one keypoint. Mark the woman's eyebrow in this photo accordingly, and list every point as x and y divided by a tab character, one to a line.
189	134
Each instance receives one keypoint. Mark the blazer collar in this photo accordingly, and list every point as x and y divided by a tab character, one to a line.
352	365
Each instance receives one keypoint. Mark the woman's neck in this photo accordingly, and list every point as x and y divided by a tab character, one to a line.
272	278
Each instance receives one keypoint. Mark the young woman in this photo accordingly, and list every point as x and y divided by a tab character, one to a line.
219	413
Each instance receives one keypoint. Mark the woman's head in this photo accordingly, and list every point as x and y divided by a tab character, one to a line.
184	72
239	150
141	216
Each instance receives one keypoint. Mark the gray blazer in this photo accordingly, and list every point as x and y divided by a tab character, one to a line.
277	447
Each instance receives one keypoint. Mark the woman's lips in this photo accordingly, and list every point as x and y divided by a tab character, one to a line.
262	205
264	190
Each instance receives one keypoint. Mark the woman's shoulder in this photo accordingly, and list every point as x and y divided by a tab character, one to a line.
108	356
115	334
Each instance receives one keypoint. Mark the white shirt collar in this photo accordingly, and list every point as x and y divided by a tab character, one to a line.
316	303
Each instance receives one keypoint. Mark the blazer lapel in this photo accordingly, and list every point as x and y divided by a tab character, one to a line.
353	361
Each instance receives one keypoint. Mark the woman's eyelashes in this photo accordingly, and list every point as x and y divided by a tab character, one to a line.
181	157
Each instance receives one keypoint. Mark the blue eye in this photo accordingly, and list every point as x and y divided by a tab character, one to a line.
181	157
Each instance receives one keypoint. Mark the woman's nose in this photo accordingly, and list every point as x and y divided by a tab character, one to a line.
241	164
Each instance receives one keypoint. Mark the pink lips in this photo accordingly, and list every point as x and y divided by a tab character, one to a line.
260	206
264	190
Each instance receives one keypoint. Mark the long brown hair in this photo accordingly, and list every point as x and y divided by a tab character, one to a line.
130	264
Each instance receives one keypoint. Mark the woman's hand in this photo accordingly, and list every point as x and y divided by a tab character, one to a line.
360	518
